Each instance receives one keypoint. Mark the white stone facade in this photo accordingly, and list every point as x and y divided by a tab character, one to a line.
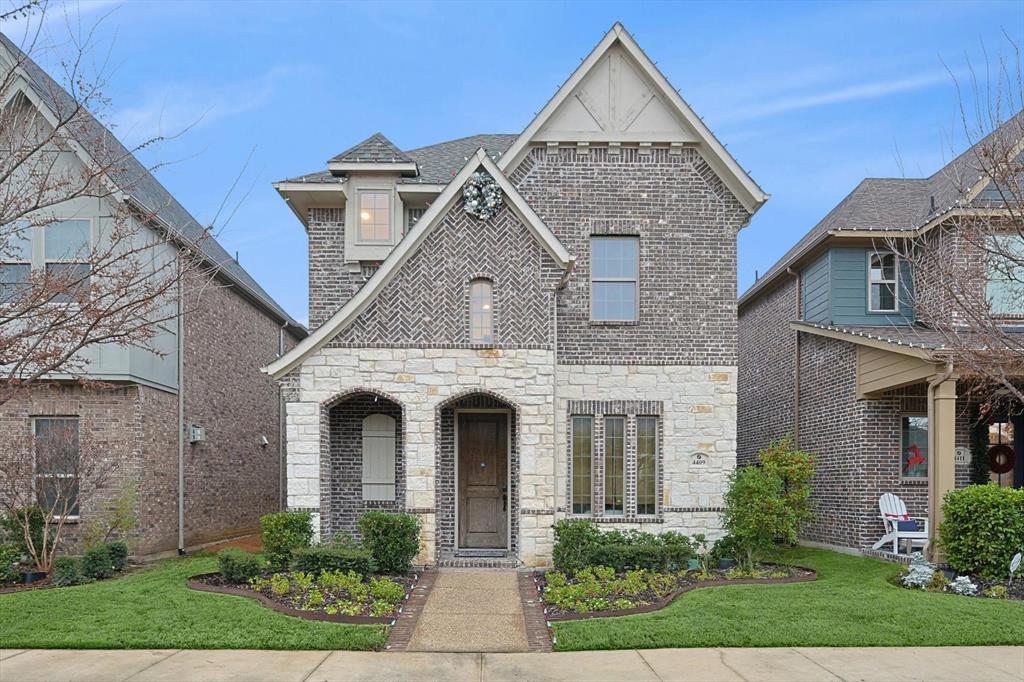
699	415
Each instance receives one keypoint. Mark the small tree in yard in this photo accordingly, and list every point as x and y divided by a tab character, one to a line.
768	502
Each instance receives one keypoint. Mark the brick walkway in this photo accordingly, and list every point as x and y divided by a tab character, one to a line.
476	610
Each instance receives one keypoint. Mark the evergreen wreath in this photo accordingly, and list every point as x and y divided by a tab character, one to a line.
482	196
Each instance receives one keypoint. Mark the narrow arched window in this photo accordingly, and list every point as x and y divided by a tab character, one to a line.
378	457
481	311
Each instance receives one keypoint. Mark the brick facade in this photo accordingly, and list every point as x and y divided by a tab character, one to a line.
331	283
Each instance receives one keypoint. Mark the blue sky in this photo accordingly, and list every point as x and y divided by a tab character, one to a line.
809	97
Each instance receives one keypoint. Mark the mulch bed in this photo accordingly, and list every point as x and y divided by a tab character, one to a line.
685	583
214	582
21	586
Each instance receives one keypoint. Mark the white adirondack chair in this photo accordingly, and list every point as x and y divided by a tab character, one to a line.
893	510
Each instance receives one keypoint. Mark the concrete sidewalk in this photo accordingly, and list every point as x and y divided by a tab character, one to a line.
939	664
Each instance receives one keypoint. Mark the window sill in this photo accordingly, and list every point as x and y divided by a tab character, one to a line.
614	323
617	519
913	481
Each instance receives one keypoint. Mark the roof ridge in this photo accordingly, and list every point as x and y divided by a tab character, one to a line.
460	139
371	147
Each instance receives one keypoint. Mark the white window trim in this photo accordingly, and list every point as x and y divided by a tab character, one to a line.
903	477
895	282
572	459
625	464
657	465
35	465
635	281
369	189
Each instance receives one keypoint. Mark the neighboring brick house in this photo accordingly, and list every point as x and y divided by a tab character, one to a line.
833	352
197	422
571	355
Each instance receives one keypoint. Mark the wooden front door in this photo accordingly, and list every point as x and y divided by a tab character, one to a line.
483	480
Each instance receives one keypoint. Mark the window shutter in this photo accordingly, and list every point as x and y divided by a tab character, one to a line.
378	457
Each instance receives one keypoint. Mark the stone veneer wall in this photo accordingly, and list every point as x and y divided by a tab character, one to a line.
767	370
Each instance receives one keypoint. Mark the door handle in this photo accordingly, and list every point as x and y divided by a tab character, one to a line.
504	502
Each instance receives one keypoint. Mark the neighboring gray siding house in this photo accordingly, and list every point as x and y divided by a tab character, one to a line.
207	368
571	353
833	353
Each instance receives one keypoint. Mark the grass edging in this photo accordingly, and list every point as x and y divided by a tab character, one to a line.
195	583
671	596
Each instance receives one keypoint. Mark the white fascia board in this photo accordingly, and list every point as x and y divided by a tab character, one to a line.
297	195
414	188
346	167
749	194
407	247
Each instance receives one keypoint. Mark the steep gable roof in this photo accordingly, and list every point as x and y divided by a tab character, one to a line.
629	93
374	149
142	189
408	246
900	204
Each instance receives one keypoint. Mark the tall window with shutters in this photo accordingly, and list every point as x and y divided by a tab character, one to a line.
379	457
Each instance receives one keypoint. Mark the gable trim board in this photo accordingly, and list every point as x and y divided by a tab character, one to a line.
749	194
409	245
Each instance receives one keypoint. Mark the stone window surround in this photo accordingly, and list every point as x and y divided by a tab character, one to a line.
598	410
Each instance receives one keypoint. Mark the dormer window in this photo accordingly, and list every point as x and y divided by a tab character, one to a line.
882	283
374	216
481	311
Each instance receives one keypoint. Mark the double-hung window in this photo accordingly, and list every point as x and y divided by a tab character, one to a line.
883	282
56	464
1004	289
66	252
16	262
614	279
374	216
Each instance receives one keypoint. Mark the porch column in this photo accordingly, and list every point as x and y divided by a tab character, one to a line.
941	446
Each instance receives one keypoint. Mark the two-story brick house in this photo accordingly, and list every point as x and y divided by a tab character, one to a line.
837	351
190	420
571	353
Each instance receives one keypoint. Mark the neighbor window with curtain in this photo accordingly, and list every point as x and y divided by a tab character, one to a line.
56	466
378	457
582	457
614	465
614	278
481	311
914	460
66	251
374	216
882	283
647	465
1005	272
15	261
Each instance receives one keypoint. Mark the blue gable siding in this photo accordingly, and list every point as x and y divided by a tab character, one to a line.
849	277
815	295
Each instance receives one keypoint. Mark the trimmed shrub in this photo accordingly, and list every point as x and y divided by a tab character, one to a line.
15	531
118	550
983	528
393	539
97	563
283	532
10	557
579	545
67	571
332	558
238	566
756	513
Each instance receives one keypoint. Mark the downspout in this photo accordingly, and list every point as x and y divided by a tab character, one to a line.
796	358
562	283
281	426
181	418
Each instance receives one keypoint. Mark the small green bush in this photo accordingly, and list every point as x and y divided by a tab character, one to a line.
983	528
118	550
15	531
580	545
67	571
97	562
238	566
283	532
332	558
575	540
10	557
393	539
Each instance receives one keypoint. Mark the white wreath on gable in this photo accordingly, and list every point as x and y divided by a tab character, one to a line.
482	196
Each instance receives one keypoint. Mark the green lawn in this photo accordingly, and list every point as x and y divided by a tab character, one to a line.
850	604
154	609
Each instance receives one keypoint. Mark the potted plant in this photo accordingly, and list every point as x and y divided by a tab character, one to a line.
724	552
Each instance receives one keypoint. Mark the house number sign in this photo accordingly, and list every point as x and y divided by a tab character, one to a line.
962	455
698	459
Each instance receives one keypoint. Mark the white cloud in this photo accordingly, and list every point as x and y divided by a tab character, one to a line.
838	95
172	108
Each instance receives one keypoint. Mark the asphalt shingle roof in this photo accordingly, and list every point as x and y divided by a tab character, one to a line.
374	149
438	163
913	336
897	204
134	179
